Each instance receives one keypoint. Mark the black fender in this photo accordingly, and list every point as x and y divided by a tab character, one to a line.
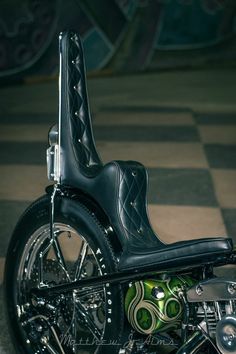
68	194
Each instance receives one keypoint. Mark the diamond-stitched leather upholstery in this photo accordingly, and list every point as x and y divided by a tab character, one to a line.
119	187
75	97
125	182
131	204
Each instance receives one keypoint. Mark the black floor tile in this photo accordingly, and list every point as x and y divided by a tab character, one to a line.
10	212
181	187
215	118
147	133
23	153
229	216
221	156
142	109
5	340
28	118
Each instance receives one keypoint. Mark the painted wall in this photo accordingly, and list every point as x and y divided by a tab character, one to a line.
118	35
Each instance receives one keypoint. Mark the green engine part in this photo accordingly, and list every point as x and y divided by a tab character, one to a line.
153	306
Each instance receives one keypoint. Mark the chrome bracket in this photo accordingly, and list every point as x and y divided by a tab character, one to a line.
52	211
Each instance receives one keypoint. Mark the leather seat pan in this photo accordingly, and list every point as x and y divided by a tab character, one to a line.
178	254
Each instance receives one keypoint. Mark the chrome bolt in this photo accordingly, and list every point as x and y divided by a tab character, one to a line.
232	289
44	340
199	290
158	292
39	328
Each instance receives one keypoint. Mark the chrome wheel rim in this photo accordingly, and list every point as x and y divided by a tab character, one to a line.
67	321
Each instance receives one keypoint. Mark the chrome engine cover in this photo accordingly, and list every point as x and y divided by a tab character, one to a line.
214	289
214	302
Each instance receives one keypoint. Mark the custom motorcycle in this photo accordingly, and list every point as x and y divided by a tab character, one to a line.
85	272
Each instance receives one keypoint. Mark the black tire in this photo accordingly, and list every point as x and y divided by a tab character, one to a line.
31	260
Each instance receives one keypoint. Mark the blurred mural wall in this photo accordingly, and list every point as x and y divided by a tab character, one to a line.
118	35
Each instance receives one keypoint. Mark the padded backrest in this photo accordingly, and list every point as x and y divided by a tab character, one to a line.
76	134
119	187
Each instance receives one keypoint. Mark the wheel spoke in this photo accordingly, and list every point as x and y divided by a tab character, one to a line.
50	348
80	261
57	340
60	257
89	322
40	269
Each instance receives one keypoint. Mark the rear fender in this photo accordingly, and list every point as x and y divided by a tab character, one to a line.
93	207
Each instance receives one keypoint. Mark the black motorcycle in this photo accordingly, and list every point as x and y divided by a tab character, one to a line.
85	272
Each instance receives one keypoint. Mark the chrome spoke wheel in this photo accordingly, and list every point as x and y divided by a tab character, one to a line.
53	325
85	321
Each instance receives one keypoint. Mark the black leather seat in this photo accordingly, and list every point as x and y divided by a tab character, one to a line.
119	187
193	252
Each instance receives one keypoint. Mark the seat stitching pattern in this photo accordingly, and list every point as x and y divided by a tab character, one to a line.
132	203
79	113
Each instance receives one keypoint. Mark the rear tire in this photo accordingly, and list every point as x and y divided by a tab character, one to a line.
70	323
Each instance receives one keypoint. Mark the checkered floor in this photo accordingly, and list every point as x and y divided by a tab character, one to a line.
188	149
191	159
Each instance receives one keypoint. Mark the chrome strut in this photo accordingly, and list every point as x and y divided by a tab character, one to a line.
52	200
193	343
